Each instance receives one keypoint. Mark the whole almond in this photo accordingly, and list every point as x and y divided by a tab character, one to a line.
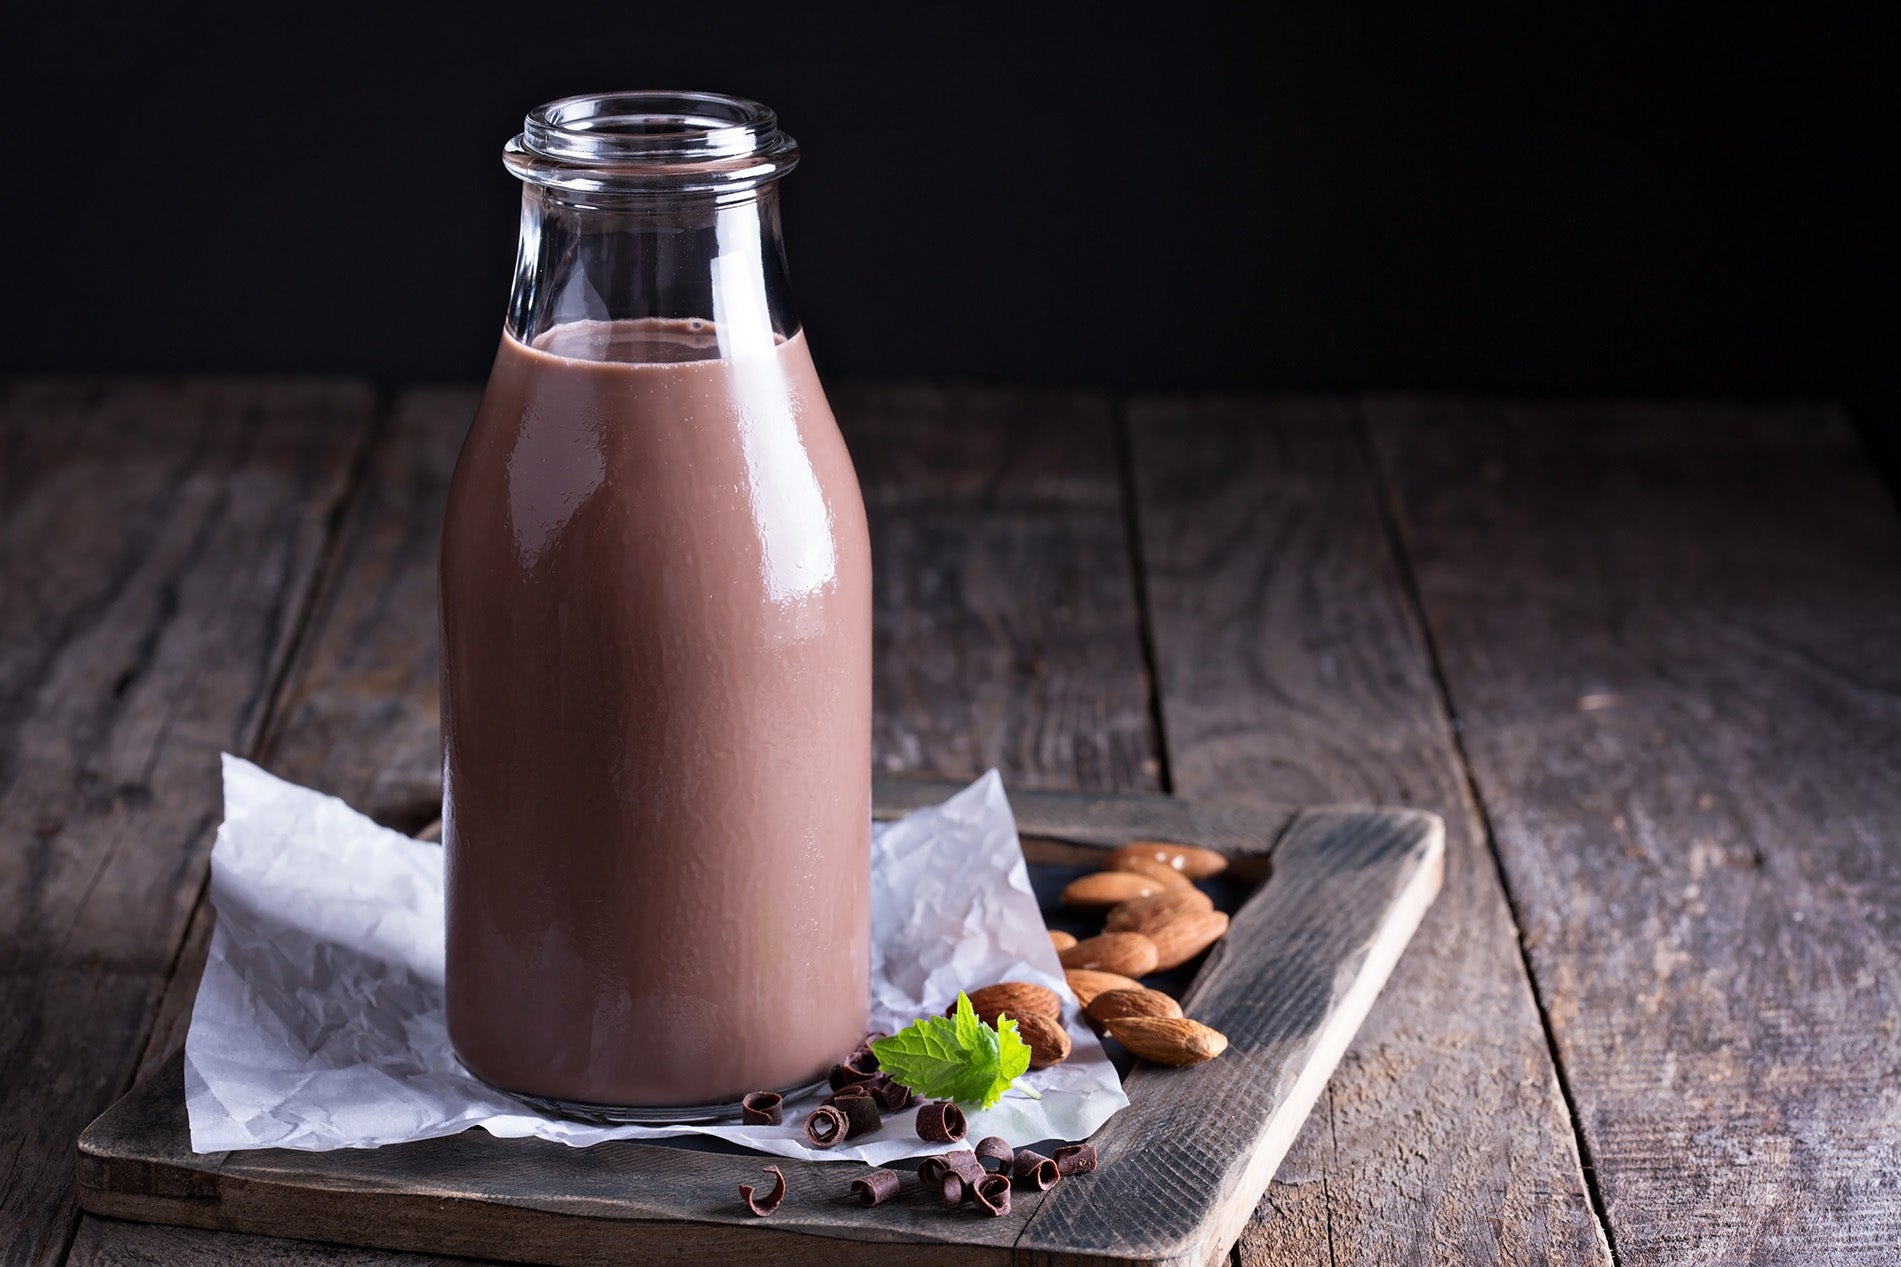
1061	940
1113	1005
1087	983
1183	937
1128	954
1012	998
1109	888
1159	871
1193	862
1168	1040
1047	1040
1145	913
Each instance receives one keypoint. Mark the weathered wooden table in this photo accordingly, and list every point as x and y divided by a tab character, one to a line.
1645	660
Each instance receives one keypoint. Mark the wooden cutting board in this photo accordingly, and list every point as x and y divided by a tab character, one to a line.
1323	900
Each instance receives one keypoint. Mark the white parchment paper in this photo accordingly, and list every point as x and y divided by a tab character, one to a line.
319	1022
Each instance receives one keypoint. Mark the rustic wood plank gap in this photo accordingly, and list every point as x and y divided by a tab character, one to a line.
1138	574
1386	497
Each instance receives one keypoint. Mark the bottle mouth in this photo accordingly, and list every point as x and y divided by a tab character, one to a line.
653	142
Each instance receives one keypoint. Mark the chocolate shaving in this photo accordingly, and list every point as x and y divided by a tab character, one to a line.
941	1122
953	1188
1036	1170
996	1148
1076	1159
843	1076
879	1185
930	1171
850	1091
863	1062
964	1164
993	1195
861	1114
772	1199
762	1108
891	1096
826	1126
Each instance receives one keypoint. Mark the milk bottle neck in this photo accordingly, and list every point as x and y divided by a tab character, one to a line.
692	258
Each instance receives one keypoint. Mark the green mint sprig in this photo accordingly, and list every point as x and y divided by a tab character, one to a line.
956	1057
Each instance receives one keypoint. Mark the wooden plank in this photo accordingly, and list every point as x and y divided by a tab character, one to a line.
1292	667
160	544
1006	630
117	1243
1288	985
1670	635
1184	1164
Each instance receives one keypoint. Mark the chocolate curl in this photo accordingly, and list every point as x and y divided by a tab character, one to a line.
996	1148
1036	1170
953	1189
772	1199
993	1195
826	1126
762	1108
930	1171
850	1091
861	1114
964	1164
891	1096
863	1062
843	1076
879	1185
941	1122
1076	1159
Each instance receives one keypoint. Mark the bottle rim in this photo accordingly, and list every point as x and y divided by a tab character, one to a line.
663	142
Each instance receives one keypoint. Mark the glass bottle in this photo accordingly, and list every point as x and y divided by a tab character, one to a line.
656	640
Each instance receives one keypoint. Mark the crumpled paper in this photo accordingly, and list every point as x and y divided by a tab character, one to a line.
319	1023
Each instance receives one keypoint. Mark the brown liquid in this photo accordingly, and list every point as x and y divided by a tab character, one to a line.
656	618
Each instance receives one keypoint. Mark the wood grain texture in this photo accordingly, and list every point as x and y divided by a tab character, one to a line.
1007	633
1671	638
117	1243
160	545
1288	985
1292	667
357	718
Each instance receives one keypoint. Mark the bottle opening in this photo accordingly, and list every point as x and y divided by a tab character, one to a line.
661	142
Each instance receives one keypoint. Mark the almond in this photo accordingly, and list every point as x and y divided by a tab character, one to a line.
1168	1040
1016	999
1160	871
1193	862
1061	940
1047	1040
1127	954
1145	913
1109	888
1183	937
1113	1005
1087	983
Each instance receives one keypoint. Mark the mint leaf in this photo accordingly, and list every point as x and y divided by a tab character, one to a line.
955	1058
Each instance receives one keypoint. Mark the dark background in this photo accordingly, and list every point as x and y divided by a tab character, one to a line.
1176	196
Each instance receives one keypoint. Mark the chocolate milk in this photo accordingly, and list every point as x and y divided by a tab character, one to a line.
656	620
